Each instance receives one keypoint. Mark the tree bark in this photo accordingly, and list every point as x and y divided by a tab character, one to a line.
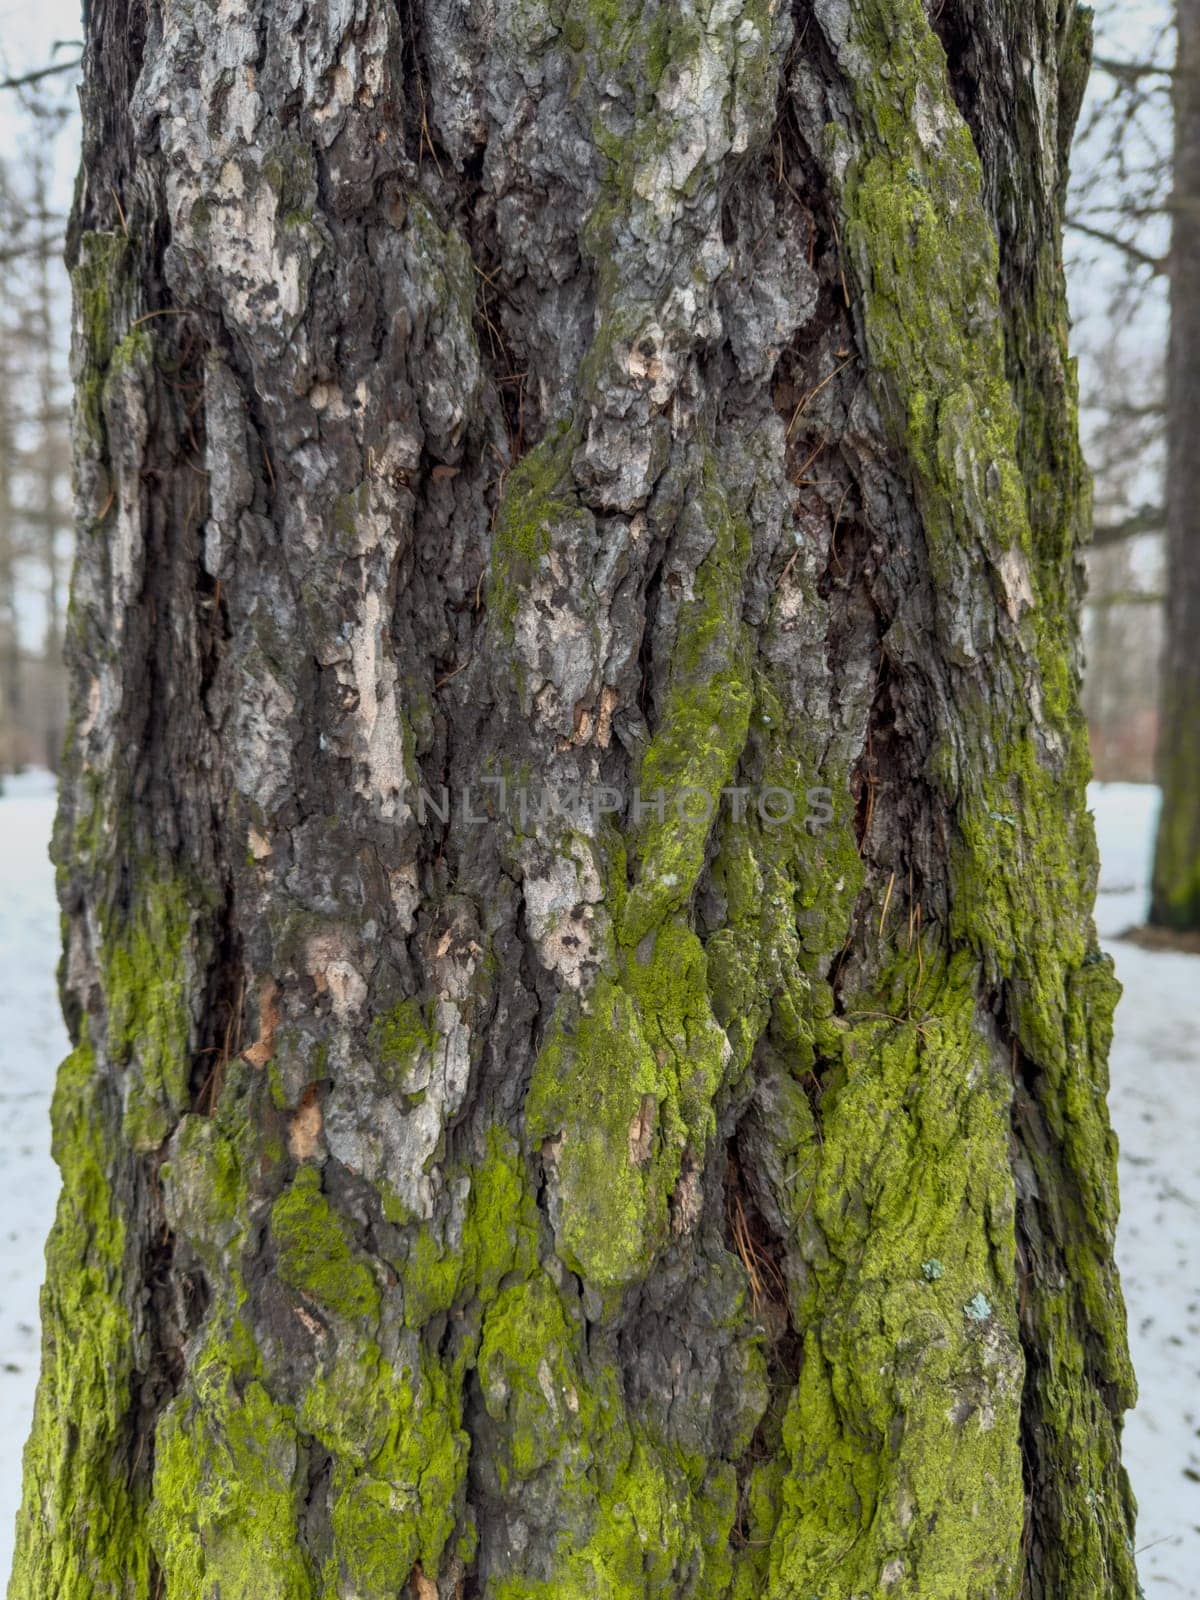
1176	894
666	1201
53	466
10	636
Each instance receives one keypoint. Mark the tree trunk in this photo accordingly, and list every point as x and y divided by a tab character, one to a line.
683	1170
51	471
10	637
1176	897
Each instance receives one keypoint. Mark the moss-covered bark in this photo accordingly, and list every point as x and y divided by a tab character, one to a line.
701	1186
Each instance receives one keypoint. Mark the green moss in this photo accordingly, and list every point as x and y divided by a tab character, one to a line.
400	1037
81	1531
229	1487
639	1538
316	1256
703	728
615	31
223	1496
658	49
400	1460
979	397
348	512
232	1474
289	169
527	1374
101	259
98	281
536	495
135	349
594	1080
500	1232
902	1433
760	1515
145	966
636	1515
632	1520
216	1163
499	1237
204	1181
433	1277
927	260
627	1078
640	48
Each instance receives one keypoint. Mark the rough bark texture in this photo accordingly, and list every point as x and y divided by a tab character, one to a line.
1176	900
578	394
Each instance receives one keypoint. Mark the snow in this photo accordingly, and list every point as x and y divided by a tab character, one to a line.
1155	1105
32	1042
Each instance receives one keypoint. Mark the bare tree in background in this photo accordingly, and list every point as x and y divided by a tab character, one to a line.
1142	199
1123	613
36	512
1118	236
10	674
49	511
1176	889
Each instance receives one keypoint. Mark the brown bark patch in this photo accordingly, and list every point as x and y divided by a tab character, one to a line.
306	1125
263	1048
641	1131
424	1588
260	845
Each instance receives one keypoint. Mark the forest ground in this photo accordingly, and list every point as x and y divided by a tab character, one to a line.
1155	1106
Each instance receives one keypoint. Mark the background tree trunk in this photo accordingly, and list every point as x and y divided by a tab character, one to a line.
10	638
48	512
577	395
1176	898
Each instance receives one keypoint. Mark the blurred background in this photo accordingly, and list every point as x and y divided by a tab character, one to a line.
39	137
1117	247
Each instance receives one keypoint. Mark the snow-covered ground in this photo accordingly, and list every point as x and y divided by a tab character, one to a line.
1155	1101
1155	1105
32	1042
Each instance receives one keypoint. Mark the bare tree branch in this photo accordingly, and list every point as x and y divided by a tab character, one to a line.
1148	519
1126	412
49	244
1130	70
1125	597
1156	264
42	72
